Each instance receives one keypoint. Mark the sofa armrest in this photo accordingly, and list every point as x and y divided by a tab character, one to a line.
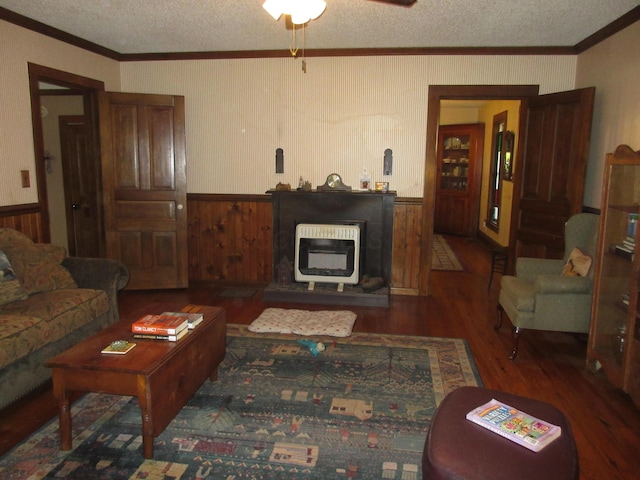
563	284
100	274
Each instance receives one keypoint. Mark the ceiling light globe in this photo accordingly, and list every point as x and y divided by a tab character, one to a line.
315	8
273	8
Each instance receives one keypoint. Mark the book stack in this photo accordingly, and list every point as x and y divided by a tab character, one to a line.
193	319
627	248
161	327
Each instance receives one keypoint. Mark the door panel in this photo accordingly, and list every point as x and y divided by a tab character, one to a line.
144	174
551	170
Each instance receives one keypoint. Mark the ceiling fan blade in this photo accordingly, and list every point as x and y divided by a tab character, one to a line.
404	3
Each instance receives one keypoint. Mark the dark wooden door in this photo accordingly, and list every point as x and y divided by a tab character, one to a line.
551	170
80	186
142	139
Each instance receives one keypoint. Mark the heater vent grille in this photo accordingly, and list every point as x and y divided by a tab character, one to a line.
327	253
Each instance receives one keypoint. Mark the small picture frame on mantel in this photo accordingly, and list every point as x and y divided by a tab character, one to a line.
382	187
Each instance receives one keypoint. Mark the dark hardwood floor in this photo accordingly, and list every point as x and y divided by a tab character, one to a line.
549	367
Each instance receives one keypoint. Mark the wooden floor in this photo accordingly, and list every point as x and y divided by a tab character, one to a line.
549	367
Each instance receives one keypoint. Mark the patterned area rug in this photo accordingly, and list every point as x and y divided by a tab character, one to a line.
360	409
443	257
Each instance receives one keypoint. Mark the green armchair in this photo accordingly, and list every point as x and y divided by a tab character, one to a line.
544	295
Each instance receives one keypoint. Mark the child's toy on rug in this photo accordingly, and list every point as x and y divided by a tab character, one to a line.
314	347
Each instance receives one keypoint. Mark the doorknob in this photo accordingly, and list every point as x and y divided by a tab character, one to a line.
180	207
75	206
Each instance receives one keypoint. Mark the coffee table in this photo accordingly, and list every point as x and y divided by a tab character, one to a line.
163	375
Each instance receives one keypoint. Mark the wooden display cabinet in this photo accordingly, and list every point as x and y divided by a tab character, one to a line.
614	337
458	179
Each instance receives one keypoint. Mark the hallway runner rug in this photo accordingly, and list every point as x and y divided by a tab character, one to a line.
359	410
443	257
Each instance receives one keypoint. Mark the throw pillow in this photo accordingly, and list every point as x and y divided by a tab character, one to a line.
38	268
10	288
577	264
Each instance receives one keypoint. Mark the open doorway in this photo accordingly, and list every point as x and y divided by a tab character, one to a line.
64	116
437	93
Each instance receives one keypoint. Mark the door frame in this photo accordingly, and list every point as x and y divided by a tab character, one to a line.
89	89
451	92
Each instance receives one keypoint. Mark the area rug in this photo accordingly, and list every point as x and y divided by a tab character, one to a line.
443	257
334	323
359	410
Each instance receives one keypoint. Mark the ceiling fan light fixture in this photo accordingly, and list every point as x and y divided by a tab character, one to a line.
273	8
300	11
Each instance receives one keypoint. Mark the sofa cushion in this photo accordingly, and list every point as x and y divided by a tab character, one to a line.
27	325
38	268
10	288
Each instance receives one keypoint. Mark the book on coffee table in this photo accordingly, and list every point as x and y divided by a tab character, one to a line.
517	426
156	336
193	318
118	350
160	324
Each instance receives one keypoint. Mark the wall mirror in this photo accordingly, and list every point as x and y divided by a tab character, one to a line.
497	171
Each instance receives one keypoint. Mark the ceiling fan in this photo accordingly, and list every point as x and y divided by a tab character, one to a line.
404	3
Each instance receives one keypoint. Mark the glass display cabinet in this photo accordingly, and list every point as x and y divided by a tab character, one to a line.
614	337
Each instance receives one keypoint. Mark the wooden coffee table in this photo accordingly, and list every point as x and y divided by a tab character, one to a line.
163	375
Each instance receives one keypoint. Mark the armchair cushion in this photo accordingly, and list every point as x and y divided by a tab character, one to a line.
562	284
529	268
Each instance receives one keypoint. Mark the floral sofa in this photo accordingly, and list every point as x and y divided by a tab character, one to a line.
48	302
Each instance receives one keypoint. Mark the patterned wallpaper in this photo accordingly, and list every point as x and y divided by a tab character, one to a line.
338	117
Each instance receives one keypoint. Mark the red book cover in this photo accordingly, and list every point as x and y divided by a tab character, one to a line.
160	324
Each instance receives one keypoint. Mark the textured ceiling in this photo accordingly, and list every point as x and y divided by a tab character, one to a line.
163	26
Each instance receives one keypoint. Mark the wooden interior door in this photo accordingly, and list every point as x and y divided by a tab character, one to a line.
551	169
142	139
80	187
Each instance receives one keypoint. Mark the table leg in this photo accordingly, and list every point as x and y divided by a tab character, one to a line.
147	435
145	404
64	410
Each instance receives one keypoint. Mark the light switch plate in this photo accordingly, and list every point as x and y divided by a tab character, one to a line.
26	181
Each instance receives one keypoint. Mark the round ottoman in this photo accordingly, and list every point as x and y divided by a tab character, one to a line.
458	449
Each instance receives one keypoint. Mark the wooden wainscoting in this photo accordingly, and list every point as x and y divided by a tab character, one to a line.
230	240
26	219
407	234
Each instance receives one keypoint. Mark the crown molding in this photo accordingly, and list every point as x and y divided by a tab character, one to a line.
627	19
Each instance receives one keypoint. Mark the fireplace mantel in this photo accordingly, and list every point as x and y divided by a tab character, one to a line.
375	208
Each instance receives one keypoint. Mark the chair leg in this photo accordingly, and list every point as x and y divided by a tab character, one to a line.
516	337
499	323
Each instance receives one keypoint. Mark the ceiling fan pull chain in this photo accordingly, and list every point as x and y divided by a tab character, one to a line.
293	48
304	47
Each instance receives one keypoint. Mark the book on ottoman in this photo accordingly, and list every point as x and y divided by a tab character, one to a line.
517	426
